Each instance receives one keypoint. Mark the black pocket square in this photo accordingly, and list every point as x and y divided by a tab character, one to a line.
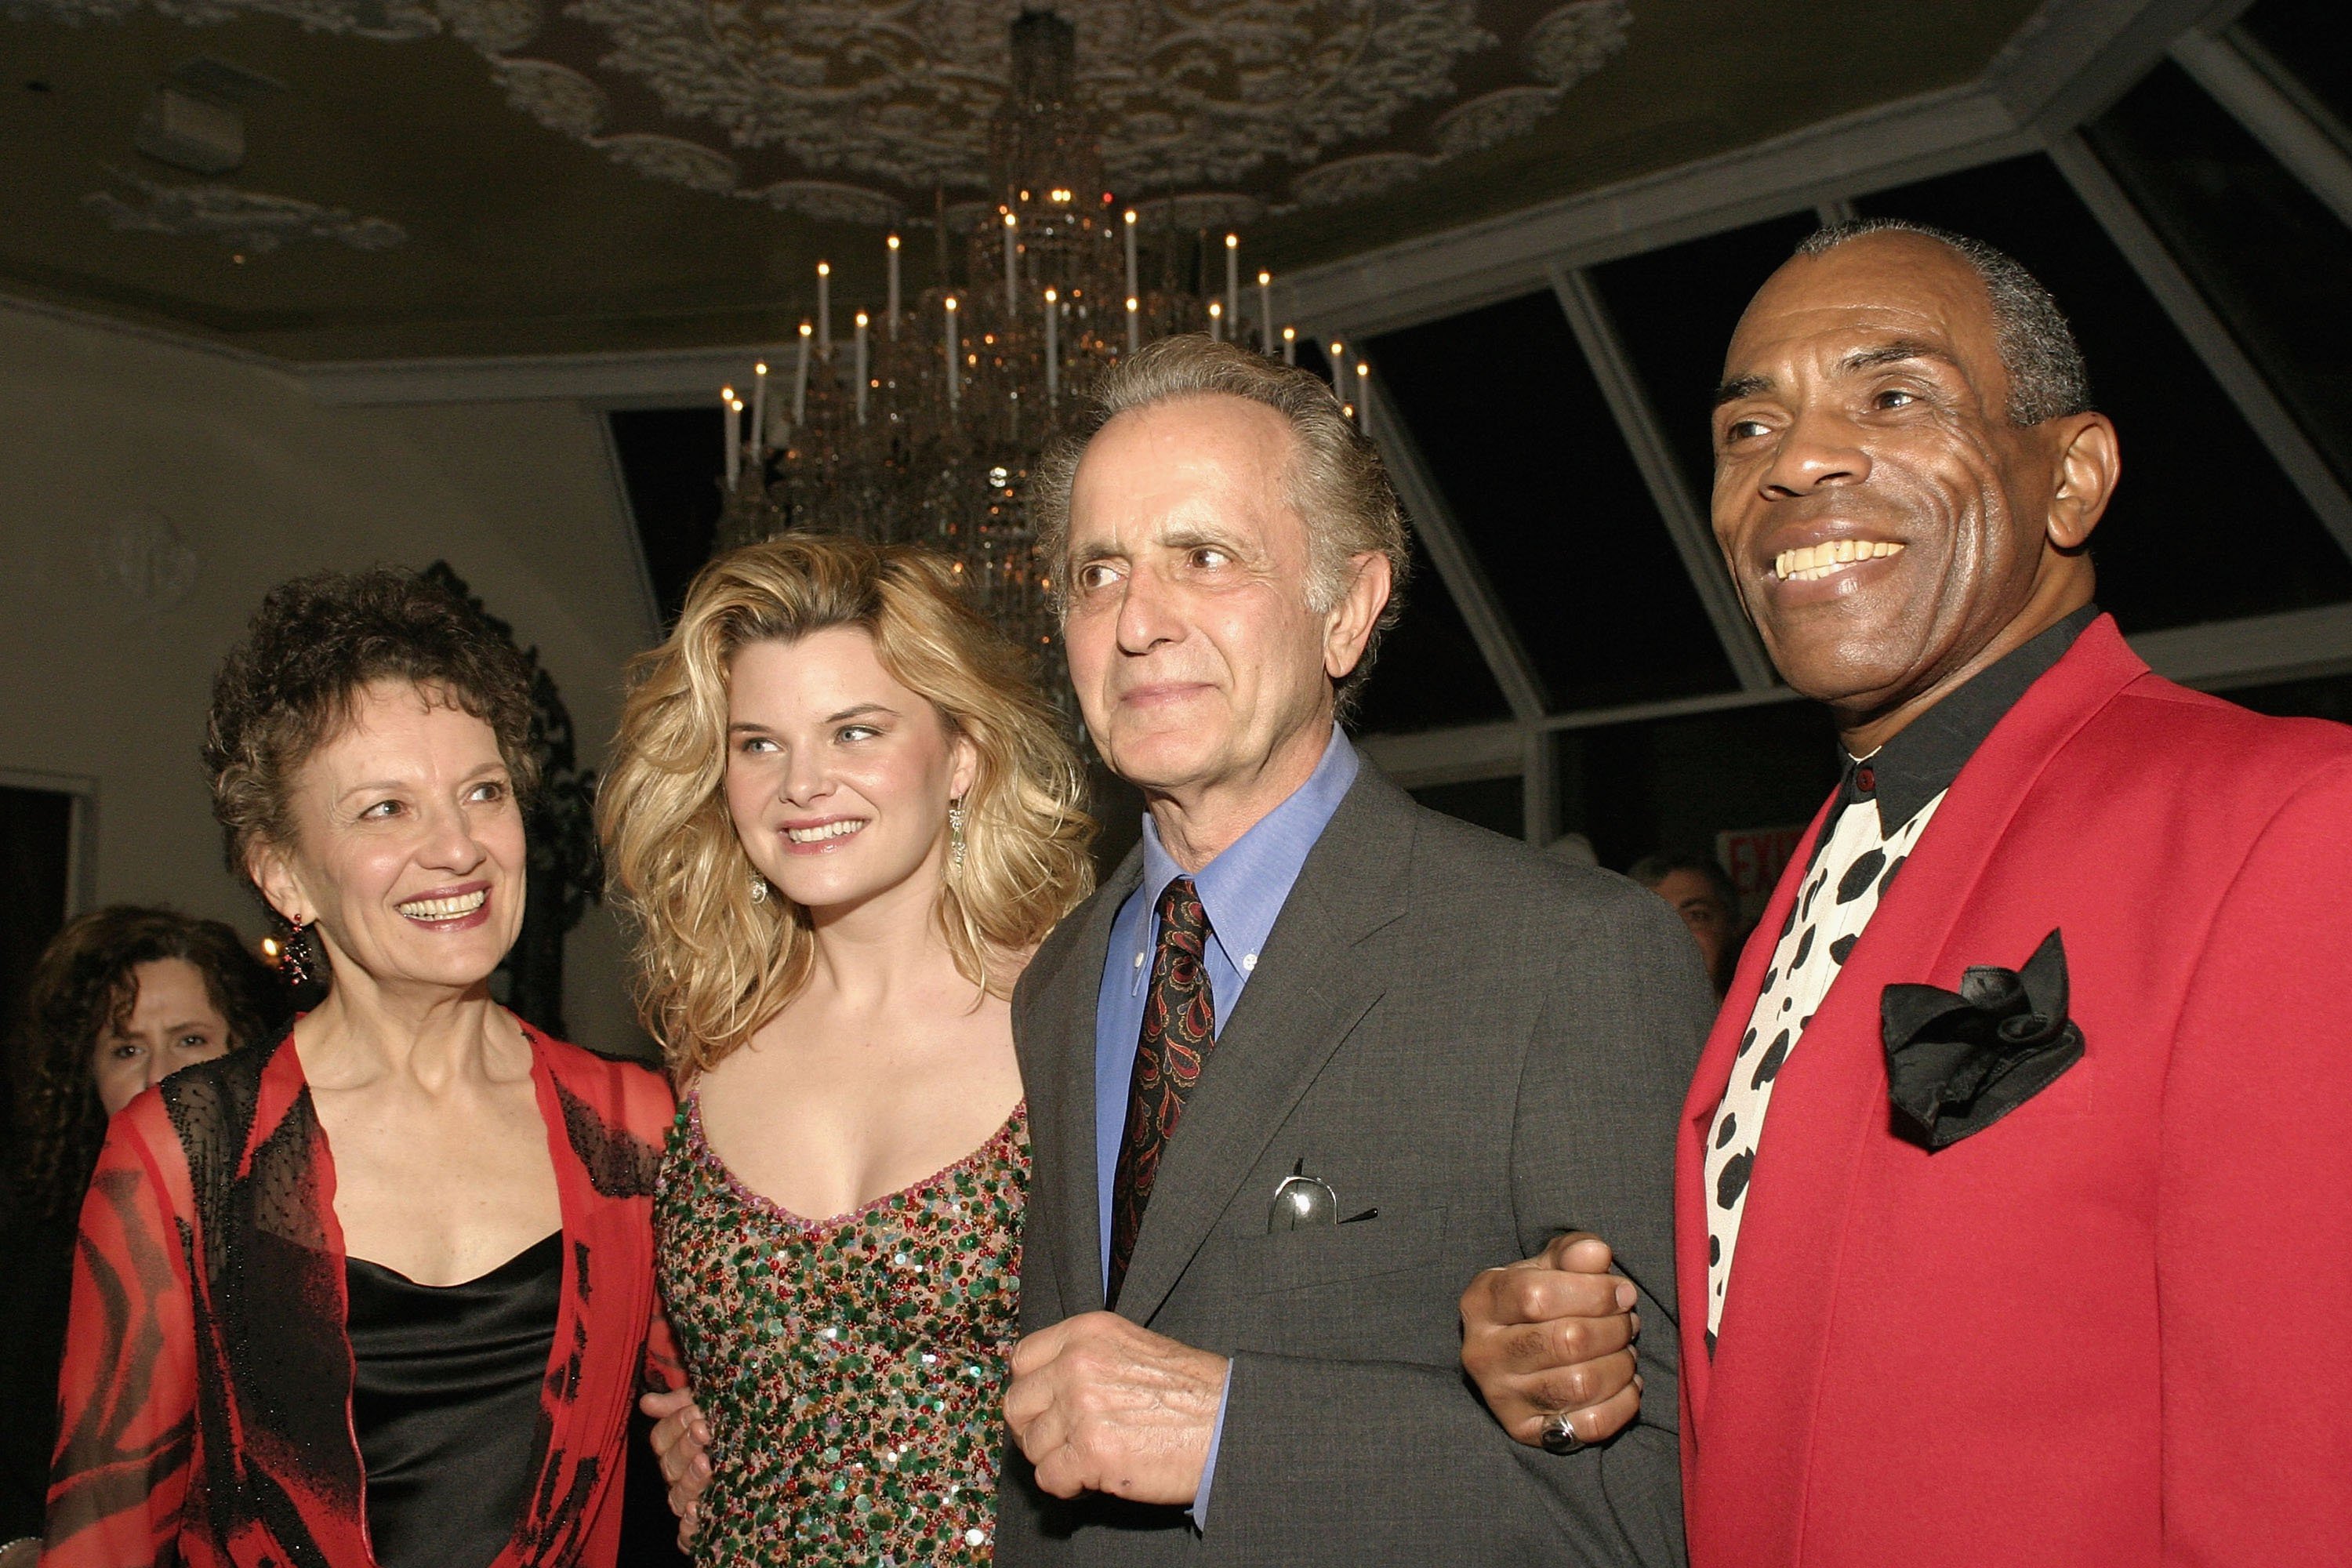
1956	1063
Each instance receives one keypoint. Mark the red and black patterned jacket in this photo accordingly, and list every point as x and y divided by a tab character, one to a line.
205	1398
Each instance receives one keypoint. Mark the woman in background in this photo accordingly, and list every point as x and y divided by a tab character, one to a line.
844	817
378	1297
121	999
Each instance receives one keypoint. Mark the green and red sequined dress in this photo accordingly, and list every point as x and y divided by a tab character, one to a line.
851	1369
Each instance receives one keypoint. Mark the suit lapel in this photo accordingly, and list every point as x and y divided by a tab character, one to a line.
1707	1090
1058	1068
1312	982
1829	1107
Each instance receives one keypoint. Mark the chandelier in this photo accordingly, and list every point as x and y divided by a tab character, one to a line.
925	424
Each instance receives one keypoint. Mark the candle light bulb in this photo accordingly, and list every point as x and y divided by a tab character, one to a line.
1290	334
806	330
1130	214
951	303
1264	278
824	269
862	366
726	394
892	242
1052	346
1011	221
1233	242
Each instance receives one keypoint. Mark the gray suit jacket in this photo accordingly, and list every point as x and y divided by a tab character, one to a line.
1488	1045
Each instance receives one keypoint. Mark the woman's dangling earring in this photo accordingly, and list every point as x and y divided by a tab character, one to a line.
955	834
759	888
294	954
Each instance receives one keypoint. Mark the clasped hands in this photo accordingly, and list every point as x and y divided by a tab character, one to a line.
1100	1403
1554	1335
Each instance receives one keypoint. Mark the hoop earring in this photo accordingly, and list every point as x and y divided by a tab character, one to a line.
955	834
759	888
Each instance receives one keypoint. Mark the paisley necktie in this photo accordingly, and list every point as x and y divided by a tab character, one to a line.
1180	1030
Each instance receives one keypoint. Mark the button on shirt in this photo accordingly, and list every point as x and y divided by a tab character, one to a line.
1243	892
1884	803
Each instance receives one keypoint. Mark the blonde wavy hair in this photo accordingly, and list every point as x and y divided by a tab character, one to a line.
713	964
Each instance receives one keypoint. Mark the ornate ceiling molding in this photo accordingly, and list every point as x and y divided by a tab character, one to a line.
248	221
855	111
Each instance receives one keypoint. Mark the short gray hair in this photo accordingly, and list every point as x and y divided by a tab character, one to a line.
2047	379
1335	479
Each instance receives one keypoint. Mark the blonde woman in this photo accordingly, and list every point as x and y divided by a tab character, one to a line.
843	817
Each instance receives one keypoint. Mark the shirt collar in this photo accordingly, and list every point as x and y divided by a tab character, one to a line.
1926	755
1244	889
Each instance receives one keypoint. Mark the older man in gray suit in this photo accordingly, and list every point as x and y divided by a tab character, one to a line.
1313	1056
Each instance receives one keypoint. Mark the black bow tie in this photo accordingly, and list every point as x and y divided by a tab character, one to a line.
1956	1063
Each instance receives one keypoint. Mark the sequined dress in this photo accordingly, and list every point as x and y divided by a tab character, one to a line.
851	1368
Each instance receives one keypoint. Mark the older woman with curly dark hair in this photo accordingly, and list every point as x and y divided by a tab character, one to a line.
121	998
382	1294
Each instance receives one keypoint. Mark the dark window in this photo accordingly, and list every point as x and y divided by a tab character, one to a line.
1675	310
2306	46
2204	526
1491	803
1673	784
35	863
1521	443
2272	258
2315	697
1429	672
672	460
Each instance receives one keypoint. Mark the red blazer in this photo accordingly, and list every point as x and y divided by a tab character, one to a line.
205	1398
2115	1327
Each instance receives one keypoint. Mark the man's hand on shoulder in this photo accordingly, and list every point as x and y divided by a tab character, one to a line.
1098	1403
1554	1334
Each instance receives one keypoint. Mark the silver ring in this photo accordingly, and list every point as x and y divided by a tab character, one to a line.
1559	1437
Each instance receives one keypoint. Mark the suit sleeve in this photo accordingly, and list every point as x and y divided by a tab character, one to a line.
1024	1515
126	1392
1593	1149
2255	1209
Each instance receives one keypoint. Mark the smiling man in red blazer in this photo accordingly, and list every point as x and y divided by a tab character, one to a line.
2014	1195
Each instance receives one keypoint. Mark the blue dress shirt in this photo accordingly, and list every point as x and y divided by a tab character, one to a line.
1241	892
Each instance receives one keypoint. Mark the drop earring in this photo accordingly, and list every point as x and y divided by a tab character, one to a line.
955	835
759	888
294	954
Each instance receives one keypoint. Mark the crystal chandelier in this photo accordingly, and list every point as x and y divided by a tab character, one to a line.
926	425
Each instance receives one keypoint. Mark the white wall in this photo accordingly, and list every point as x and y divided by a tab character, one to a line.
98	425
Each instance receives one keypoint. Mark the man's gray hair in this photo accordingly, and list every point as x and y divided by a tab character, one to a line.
2046	376
1334	480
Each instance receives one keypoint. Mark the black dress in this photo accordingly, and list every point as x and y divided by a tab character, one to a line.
445	1402
35	1287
